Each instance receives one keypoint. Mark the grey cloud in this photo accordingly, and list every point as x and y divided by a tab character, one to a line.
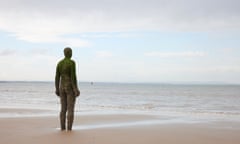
193	8
7	52
30	19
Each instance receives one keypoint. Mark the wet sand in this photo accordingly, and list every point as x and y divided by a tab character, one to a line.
116	129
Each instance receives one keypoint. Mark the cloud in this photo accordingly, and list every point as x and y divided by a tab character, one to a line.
175	54
49	20
104	54
31	67
52	38
111	35
7	52
39	51
75	42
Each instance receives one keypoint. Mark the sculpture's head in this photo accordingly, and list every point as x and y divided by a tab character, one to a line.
68	52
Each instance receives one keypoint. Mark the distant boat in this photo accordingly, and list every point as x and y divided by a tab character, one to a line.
91	83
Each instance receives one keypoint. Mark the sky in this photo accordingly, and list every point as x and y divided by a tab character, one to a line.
156	41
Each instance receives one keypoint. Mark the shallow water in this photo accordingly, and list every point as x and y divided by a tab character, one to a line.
201	101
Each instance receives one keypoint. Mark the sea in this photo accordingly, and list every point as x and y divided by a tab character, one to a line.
193	101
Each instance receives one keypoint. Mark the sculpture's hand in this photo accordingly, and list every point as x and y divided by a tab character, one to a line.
57	92
76	92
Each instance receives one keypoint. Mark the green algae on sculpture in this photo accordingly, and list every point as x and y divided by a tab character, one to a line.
66	88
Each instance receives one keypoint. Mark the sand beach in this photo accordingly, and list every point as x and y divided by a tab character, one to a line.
115	129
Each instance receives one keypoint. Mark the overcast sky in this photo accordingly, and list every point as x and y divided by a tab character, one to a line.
122	40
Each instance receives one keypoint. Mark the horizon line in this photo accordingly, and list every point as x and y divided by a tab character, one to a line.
170	82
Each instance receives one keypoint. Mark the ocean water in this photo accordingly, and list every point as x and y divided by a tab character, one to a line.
199	101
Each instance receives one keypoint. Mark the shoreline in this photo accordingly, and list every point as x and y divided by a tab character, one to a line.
92	128
175	116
